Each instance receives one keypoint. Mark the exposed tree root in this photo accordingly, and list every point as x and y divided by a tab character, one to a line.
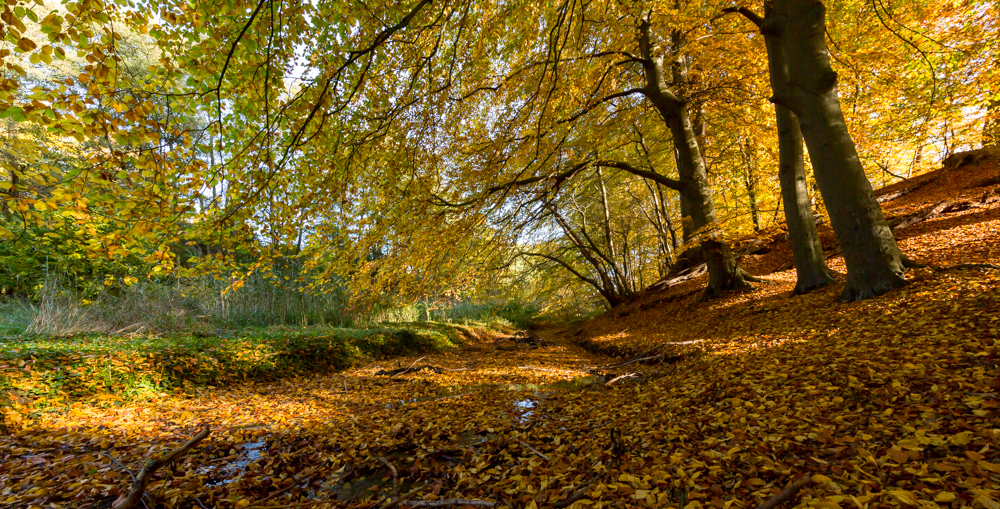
892	196
852	294
824	278
739	281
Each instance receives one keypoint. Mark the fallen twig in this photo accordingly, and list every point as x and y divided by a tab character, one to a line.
622	377
597	426
116	462
580	491
407	370
662	356
448	502
127	470
142	480
413	369
550	370
393	502
532	449
395	476
786	494
973	266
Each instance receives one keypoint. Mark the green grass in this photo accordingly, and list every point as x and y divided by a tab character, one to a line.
15	316
54	371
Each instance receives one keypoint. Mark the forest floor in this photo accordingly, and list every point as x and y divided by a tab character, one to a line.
893	401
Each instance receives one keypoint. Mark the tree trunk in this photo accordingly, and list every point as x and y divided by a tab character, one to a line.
750	183
696	193
874	262
991	128
807	251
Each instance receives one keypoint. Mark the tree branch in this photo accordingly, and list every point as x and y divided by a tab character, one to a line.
747	13
664	181
603	100
229	56
143	479
557	179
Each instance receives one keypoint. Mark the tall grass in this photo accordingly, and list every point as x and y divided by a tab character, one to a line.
15	316
184	305
204	304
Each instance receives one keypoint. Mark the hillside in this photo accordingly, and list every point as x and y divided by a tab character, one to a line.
948	219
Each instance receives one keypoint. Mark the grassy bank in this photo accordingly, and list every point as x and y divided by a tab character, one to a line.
37	373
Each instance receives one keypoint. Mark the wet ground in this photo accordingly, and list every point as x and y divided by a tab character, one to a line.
343	439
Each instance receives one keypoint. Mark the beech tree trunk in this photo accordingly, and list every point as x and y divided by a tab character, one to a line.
874	262
696	193
991	129
807	251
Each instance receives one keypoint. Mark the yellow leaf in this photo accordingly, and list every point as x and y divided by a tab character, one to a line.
962	438
904	496
985	499
186	416
944	496
992	467
898	456
821	479
242	503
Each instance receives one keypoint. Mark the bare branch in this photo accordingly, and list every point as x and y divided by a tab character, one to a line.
664	181
746	12
603	100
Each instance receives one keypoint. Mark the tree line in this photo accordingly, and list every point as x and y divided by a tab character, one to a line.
465	141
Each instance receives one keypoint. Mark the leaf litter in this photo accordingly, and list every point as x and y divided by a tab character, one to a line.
891	402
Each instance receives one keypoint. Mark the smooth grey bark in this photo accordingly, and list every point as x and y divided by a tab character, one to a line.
686	230
674	241
874	262
807	250
696	192
750	183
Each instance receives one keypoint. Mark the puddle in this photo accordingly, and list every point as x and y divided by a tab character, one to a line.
525	406
230	472
472	439
578	383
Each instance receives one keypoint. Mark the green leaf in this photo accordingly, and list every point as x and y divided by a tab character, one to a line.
14	113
